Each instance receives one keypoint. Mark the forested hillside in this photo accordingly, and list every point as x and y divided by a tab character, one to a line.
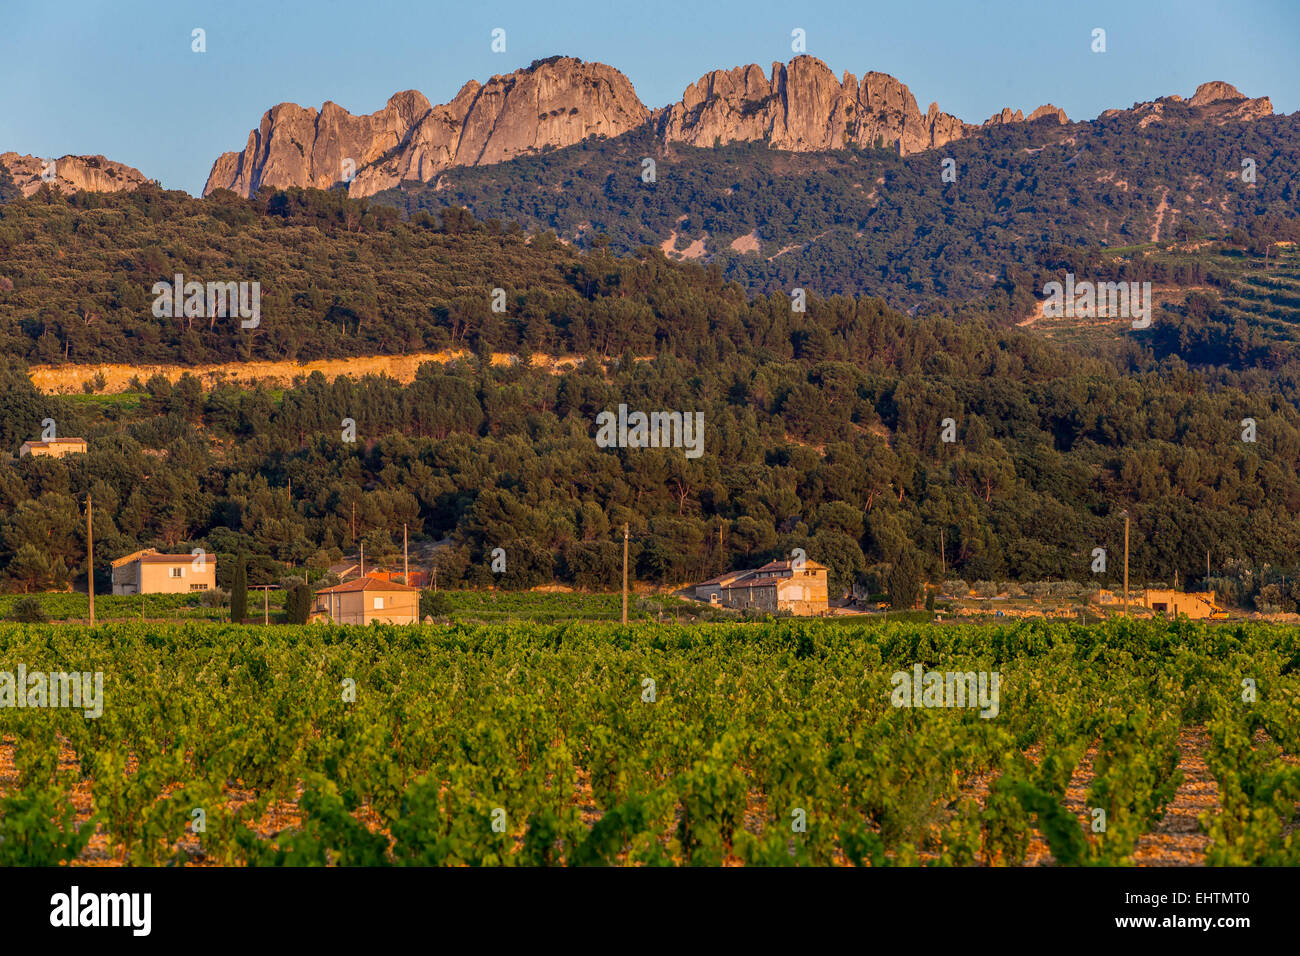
822	428
854	221
343	277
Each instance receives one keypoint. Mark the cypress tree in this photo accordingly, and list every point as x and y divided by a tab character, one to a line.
239	593
904	582
297	604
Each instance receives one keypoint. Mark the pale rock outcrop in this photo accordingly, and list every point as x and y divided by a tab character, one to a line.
1009	116
1048	109
1214	92
802	107
1004	117
1216	101
293	146
72	174
1225	103
553	103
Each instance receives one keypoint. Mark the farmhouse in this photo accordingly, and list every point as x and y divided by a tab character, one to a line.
148	572
368	599
54	448
776	586
1196	605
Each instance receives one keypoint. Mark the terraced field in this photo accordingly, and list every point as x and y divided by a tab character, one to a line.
1265	295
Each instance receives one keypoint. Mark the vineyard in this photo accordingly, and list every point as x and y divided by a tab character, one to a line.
694	744
486	606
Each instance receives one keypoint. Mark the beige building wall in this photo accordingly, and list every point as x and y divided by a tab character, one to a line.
804	593
363	607
801	592
1194	605
55	448
170	577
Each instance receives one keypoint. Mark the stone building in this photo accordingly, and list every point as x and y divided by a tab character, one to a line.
800	588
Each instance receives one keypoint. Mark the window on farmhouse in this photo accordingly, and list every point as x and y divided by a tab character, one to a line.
379	604
176	572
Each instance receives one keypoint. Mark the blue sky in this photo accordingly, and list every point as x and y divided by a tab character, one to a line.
119	78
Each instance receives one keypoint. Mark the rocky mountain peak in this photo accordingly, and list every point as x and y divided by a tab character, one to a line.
552	103
802	107
1216	101
1214	92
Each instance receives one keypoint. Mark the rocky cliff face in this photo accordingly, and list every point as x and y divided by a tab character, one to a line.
800	106
555	102
72	174
293	146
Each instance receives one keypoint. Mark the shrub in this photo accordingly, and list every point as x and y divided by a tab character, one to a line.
435	604
28	610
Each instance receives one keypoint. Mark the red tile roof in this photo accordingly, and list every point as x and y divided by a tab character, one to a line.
368	583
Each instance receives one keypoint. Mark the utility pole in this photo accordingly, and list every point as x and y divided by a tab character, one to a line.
406	561
435	579
90	558
363	559
354	522
1207	569
1125	513
625	572
943	558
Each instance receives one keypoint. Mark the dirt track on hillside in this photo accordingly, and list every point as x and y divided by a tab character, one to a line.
69	379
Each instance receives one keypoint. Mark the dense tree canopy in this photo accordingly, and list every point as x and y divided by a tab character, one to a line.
855	221
824	429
